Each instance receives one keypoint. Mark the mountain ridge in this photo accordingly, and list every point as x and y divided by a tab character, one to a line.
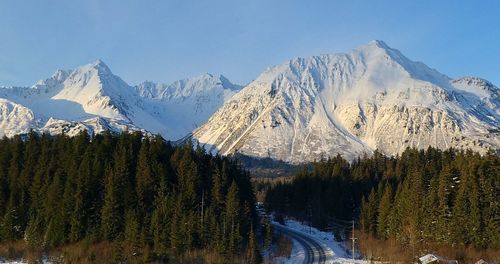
345	103
92	98
351	103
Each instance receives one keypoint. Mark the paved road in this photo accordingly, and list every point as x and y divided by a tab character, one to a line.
314	251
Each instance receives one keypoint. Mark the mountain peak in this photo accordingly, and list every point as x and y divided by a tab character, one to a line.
351	103
228	84
477	86
219	79
100	66
199	84
206	75
473	80
378	43
375	45
85	73
99	63
97	66
60	75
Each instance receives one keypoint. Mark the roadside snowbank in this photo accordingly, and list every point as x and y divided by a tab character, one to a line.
335	251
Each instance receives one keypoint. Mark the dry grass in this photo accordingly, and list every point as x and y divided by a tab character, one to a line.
465	254
74	253
13	250
82	252
393	251
105	252
284	247
386	250
208	257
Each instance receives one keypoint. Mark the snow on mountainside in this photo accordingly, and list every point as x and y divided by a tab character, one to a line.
188	103
92	98
352	103
15	118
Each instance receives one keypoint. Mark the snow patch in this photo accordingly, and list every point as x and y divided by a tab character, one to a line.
335	251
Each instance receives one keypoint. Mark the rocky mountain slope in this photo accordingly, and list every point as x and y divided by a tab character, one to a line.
372	97
92	98
352	103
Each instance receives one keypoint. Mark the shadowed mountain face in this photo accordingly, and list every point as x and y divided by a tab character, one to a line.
92	98
352	103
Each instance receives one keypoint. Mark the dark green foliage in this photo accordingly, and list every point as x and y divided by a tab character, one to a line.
152	200
332	189
160	223
112	210
232	219
384	210
437	196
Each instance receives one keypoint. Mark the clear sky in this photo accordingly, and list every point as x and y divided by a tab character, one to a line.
173	39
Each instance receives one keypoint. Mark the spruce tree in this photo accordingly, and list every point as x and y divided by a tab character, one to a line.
445	198
54	217
160	223
144	180
111	212
232	219
8	230
384	209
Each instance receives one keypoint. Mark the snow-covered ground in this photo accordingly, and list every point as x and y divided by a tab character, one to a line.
335	251
21	261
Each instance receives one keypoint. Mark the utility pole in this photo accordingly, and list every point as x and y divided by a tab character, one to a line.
353	240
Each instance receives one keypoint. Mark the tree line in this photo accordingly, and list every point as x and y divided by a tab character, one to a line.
152	199
449	197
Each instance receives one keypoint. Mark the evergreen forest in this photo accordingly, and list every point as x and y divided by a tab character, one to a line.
149	199
422	196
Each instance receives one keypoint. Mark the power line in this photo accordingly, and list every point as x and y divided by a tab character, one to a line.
340	220
333	224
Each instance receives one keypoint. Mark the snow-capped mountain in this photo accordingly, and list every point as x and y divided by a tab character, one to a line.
92	98
352	103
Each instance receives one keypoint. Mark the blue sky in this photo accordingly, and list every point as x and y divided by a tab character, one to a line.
169	40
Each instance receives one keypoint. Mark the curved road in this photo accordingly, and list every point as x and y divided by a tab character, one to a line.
314	251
